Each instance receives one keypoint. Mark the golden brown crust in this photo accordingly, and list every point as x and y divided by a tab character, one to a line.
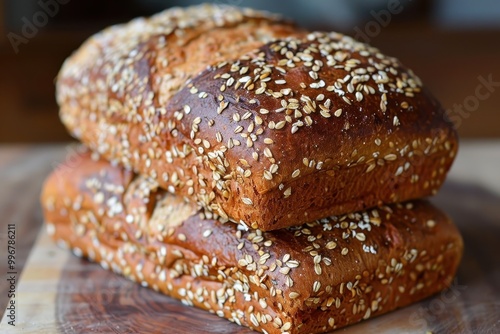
312	278
301	127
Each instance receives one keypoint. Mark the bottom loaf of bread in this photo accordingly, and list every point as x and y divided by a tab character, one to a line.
313	278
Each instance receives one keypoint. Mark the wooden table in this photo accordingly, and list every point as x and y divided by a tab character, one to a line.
59	293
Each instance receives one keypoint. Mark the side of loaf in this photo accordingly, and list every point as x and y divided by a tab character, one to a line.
254	119
307	279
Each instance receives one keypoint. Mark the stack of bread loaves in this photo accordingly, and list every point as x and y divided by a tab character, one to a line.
254	169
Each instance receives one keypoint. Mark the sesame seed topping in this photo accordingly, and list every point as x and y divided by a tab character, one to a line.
331	245
325	114
247	201
280	125
390	157
286	326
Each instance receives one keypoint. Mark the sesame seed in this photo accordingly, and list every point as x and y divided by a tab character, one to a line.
267	153
317	269
390	157
367	314
325	114
280	125
286	326
370	168
359	96
274	168
383	106
99	198
247	201
331	245
247	115
254	320
245	79
360	236
284	270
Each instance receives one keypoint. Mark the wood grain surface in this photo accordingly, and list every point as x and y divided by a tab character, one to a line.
23	169
60	293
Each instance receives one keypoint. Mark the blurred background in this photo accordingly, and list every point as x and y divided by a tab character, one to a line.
453	45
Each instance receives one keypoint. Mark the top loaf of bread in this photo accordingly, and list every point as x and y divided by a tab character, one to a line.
255	119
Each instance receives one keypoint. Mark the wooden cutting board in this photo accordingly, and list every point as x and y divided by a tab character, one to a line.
60	293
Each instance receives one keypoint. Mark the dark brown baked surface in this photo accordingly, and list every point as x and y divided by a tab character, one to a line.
254	119
313	278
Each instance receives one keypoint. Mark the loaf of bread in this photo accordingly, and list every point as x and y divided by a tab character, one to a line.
312	278
254	119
